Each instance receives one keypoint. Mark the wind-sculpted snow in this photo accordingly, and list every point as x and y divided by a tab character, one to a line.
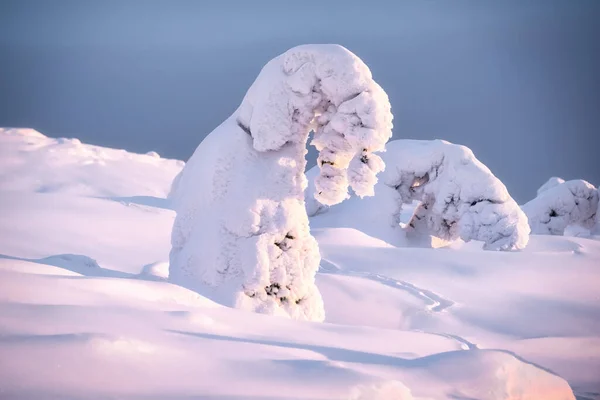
572	202
241	222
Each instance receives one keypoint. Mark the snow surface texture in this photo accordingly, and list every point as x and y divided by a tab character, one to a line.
241	222
85	311
458	197
560	205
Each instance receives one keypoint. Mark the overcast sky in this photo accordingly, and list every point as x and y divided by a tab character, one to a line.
516	81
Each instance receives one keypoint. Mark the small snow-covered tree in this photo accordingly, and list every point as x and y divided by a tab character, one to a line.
459	196
456	196
563	204
241	223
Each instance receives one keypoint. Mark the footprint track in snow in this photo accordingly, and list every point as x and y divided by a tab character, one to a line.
434	302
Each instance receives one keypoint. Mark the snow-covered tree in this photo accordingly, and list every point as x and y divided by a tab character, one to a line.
568	203
460	197
241	225
457	197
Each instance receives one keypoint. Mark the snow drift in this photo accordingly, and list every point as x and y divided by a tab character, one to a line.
241	222
457	197
61	165
562	204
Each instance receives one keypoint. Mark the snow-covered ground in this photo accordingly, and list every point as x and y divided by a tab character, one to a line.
86	311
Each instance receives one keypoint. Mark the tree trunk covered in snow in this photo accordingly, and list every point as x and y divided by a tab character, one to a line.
241	224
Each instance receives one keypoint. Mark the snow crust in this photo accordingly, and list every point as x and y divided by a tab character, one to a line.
563	204
86	312
457	197
241	222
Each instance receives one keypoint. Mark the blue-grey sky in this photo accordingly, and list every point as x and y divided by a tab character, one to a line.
518	81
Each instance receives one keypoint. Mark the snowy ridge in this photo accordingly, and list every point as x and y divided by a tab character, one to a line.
48	165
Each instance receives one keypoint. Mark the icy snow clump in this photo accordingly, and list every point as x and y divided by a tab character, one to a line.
241	224
568	203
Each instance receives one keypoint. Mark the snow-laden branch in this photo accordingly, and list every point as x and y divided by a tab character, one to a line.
241	222
562	204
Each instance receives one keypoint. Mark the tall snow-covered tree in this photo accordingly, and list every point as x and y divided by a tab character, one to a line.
241	226
561	205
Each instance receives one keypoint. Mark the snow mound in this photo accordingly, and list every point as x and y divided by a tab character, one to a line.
496	375
158	270
31	161
241	221
27	132
457	198
392	390
550	183
569	203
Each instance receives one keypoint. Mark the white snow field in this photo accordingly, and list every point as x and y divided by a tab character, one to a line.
87	312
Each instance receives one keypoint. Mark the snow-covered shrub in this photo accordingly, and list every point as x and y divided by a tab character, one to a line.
568	203
460	197
241	222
